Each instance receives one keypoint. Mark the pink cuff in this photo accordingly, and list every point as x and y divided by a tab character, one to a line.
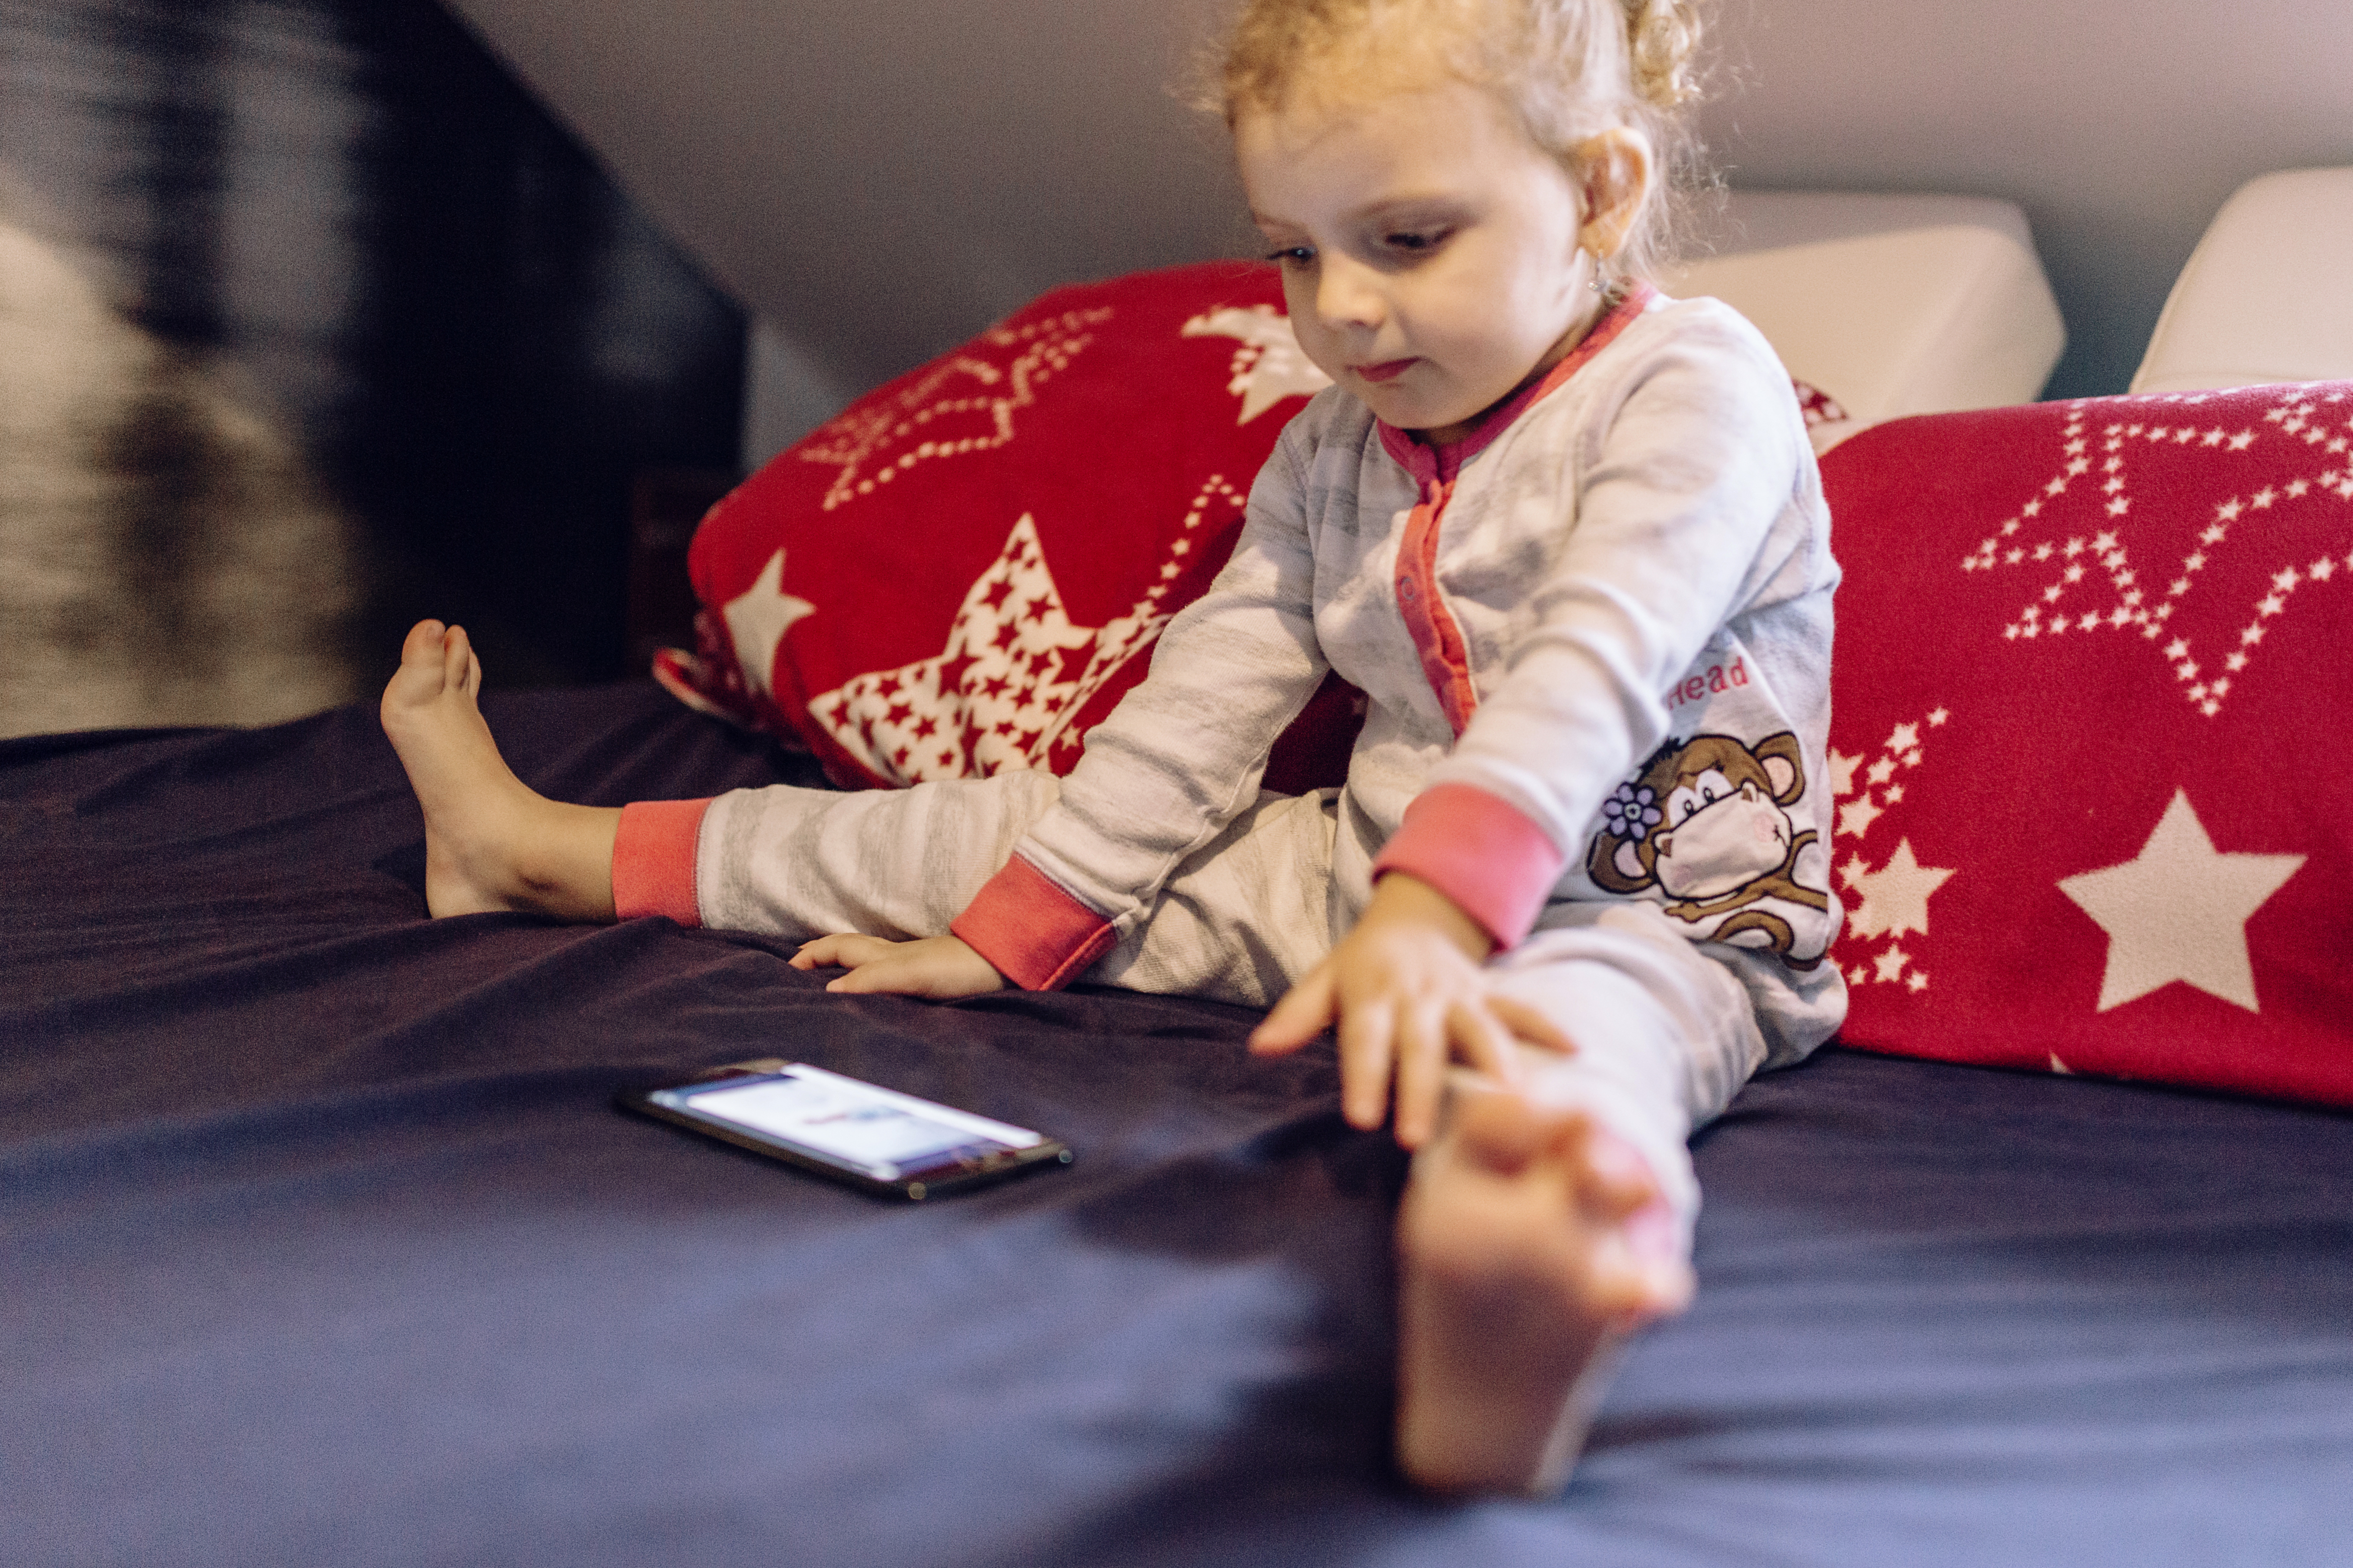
1031	930
653	860
1486	856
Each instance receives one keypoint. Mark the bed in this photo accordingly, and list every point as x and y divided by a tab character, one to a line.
326	1244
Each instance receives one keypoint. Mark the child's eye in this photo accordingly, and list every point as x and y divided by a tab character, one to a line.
1293	255
1415	241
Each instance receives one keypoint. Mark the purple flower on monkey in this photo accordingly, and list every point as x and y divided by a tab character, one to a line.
1631	812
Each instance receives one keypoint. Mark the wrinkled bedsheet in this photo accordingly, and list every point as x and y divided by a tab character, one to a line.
325	1246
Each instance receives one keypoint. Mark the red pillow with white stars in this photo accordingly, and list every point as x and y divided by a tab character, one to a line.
2092	737
964	571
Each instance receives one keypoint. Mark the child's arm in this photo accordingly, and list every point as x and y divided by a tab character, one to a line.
1177	760
1405	991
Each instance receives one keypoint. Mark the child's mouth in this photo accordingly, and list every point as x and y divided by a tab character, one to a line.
1388	370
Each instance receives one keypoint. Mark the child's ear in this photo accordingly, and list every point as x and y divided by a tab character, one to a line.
1613	175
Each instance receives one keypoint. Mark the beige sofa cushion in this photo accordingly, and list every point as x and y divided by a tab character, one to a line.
1888	304
2268	294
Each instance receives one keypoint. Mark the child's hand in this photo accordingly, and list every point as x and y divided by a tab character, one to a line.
941	967
1406	990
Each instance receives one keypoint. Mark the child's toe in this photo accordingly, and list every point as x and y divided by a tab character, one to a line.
456	658
1612	1179
423	644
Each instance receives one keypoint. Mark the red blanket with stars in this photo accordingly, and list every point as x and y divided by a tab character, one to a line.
2089	745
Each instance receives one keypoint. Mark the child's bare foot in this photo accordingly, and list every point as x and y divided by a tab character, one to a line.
1530	1244
490	841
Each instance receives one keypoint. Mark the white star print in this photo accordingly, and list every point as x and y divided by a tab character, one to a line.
1894	899
2179	910
964	405
1856	816
1843	771
757	619
2057	605
1269	366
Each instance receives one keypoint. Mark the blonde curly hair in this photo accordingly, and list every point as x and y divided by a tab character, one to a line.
1567	69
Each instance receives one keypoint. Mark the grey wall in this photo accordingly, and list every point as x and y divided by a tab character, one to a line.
881	178
878	180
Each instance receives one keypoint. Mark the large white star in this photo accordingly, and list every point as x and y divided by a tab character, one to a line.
2074	598
1269	366
757	619
1896	897
2179	910
1013	677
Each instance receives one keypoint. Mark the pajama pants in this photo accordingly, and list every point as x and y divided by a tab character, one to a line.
1665	1033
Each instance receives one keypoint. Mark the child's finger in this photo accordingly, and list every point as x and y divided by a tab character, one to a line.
844	950
1477	1035
811	955
874	964
1497	1129
1420	1052
1367	1051
1305	1011
1530	1024
891	974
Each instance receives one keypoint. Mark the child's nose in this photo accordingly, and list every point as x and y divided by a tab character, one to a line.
1347	295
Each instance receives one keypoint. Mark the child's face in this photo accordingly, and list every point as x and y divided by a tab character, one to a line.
1429	249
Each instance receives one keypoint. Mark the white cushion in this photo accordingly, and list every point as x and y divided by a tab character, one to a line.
1889	305
2265	296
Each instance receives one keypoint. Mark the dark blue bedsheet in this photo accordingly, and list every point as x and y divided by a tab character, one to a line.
322	1245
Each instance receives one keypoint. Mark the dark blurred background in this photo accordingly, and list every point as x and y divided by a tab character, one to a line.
312	323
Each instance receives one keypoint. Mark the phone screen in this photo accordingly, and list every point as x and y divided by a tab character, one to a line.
881	1133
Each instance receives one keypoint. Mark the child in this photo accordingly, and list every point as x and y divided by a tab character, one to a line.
1567	537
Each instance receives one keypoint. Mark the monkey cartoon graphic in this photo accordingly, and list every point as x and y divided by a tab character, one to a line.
1704	822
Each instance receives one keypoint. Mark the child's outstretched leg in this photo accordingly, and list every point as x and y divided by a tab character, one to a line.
1546	1223
491	842
1530	1244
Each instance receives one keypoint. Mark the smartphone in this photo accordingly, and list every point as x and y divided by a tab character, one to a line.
854	1131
